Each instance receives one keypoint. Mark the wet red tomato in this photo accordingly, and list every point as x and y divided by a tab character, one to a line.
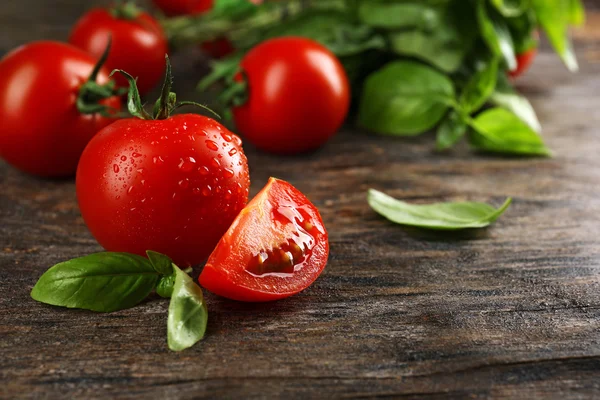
524	61
42	131
276	247
298	96
173	185
139	43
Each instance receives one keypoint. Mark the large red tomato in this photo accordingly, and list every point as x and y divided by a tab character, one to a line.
139	43
276	247
42	131
298	95
172	185
183	7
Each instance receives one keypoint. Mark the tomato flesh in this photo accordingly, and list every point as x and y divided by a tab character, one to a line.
276	247
172	186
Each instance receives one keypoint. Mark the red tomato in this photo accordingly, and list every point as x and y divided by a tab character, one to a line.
183	7
139	45
276	247
524	61
298	97
42	132
172	186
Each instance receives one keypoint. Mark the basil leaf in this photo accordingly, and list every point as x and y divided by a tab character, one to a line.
440	216
500	131
506	97
440	34
576	13
161	263
188	314
496	34
511	8
404	98
450	131
102	282
479	88
554	17
165	286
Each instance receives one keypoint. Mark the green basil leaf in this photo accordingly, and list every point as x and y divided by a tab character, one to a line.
496	34
450	131
165	286
506	97
576	13
440	216
479	88
511	8
554	16
404	98
523	31
442	35
161	263
500	131
102	282
188	314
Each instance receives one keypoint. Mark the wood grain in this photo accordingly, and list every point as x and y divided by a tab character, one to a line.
512	311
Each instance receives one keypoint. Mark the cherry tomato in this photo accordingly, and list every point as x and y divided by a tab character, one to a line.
139	43
172	186
298	97
183	7
524	61
276	247
42	131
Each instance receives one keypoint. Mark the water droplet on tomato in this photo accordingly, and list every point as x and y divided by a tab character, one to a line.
116	168
215	163
184	183
204	170
237	140
196	191
136	155
130	190
186	164
233	152
140	171
143	182
211	145
203	132
206	190
226	136
123	158
228	173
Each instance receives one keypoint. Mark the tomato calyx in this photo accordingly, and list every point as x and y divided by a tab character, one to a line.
165	105
91	93
126	10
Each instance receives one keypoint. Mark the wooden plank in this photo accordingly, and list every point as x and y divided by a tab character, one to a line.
510	311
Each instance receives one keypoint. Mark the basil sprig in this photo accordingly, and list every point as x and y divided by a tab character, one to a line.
439	216
108	282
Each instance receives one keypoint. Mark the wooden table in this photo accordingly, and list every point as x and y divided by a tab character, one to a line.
512	311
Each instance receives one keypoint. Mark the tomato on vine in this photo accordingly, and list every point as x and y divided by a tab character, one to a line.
138	42
276	247
172	184
53	99
294	96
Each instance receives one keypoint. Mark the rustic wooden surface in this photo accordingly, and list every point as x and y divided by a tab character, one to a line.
512	311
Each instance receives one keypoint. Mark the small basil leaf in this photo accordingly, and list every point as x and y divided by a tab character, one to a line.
188	314
500	131
479	88
165	286
554	17
161	263
506	97
404	98
496	34
576	13
511	8
450	131
440	216
102	282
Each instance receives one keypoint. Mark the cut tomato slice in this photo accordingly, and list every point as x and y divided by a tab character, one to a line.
276	247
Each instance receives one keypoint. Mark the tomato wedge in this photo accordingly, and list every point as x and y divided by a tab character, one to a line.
276	247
